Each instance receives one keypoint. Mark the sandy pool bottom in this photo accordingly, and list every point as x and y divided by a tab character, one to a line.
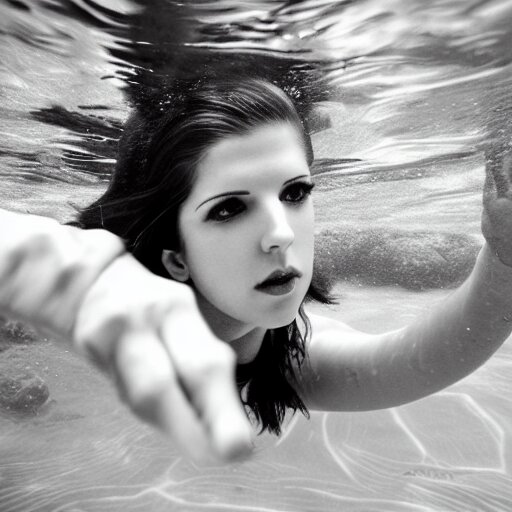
449	452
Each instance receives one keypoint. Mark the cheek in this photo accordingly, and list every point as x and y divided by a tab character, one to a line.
304	228
217	259
222	275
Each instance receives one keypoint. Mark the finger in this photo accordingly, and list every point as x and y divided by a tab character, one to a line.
489	191
507	166
499	166
206	368
148	383
225	417
495	177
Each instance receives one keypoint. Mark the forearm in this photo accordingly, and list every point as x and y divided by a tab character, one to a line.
461	332
46	268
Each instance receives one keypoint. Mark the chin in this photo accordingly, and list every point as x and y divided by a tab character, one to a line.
281	320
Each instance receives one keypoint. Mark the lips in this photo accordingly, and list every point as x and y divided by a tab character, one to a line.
278	277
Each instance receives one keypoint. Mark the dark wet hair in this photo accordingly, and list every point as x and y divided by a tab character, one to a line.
156	168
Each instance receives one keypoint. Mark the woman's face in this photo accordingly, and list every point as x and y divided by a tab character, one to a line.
250	215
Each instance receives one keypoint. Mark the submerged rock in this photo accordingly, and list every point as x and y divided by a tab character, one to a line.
15	333
413	260
23	395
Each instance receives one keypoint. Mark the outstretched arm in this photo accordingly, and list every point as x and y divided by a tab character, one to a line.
350	370
145	330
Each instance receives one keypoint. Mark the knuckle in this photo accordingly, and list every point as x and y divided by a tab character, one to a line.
144	389
106	330
142	357
42	242
131	356
165	299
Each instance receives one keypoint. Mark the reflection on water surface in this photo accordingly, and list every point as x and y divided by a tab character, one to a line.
402	96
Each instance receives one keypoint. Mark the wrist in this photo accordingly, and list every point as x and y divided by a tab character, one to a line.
494	278
496	259
46	269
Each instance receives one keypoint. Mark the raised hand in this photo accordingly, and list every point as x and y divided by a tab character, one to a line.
169	368
497	201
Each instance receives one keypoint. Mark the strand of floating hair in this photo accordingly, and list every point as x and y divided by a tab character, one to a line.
136	241
162	213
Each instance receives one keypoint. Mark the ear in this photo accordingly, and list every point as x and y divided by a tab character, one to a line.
175	265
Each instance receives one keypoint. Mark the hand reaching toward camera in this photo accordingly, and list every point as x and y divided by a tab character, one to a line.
145	330
169	367
497	200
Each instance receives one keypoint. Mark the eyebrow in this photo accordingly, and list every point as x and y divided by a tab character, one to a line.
246	192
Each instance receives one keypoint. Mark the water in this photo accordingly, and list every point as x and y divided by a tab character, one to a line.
413	91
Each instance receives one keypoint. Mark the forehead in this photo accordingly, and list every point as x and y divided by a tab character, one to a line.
270	152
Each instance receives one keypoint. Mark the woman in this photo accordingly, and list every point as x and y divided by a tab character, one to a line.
214	192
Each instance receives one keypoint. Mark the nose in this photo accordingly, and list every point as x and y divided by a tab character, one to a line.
278	234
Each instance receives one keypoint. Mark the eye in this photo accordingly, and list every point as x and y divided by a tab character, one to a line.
226	210
297	192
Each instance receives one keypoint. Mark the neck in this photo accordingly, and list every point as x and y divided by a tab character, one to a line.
248	345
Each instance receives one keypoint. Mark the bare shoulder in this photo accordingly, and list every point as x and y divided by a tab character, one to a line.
324	326
330	334
341	371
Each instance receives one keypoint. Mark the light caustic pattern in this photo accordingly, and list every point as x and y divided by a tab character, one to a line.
447	453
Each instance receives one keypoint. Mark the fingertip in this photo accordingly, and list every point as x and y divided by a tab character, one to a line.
238	453
178	422
233	438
